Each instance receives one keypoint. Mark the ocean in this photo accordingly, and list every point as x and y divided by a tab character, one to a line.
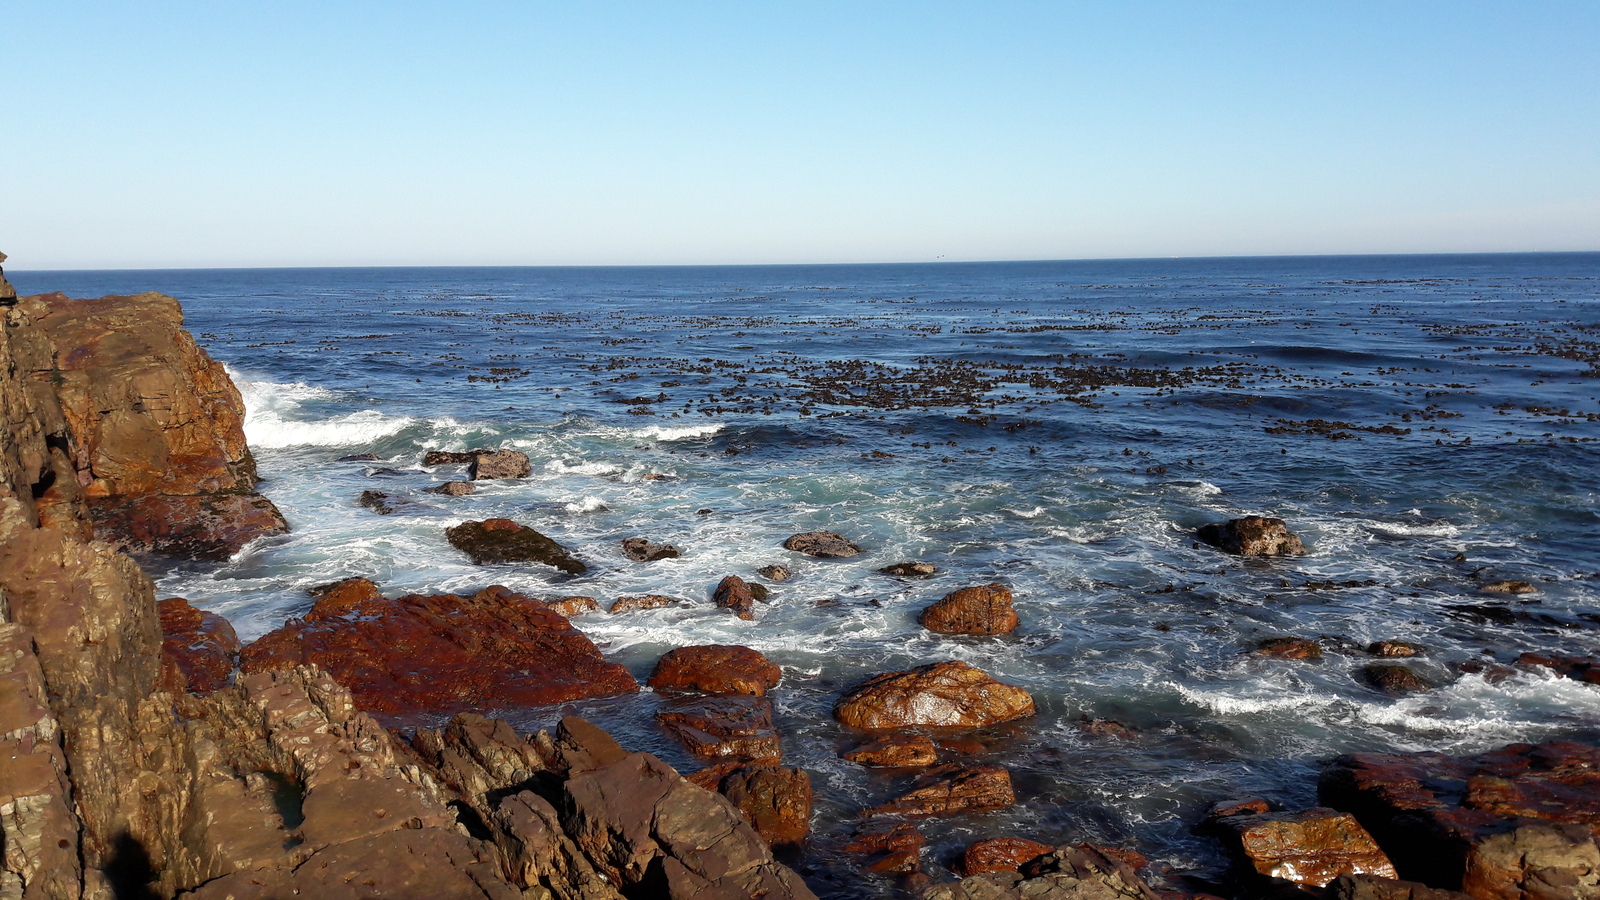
1427	424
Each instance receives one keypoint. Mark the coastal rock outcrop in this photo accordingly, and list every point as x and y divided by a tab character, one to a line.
952	790
499	464
1252	536
984	609
421	654
1068	873
1311	847
822	544
201	644
1002	854
504	541
776	800
641	549
715	669
734	594
729	726
947	694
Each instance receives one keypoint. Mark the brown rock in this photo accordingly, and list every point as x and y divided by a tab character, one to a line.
1578	668
715	669
1252	536
352	596
581	746
505	541
451	458
1001	854
1394	648
1107	728
1508	587
499	464
573	606
1222	809
644	601
885	837
821	544
775	800
734	594
896	862
1290	648
537	854
1374	887
1393	679
950	694
8	294
972	610
379	502
1067	873
197	526
775	573
910	570
953	790
418	654
477	756
38	825
454	488
729	726
1309	847
642	550
203	645
897	751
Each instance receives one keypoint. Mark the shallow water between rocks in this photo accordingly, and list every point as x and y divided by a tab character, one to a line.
1427	424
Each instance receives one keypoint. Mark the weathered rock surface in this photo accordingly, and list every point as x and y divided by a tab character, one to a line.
949	694
504	541
1290	648
1308	847
1394	679
643	601
1514	824
1374	887
776	800
891	847
454	488
821	544
641	549
8	294
715	669
1001	854
985	609
896	750
1395	648
1252	536
1578	668
910	570
953	790
1508	587
379	502
202	645
775	573
734	594
451	457
1068	873
499	464
422	654
731	726
573	606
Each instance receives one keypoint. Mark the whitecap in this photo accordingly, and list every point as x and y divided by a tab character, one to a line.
677	432
268	430
561	467
586	505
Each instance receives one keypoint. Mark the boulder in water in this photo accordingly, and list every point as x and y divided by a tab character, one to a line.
201	644
505	541
952	790
896	750
985	609
1252	536
1312	846
1290	648
728	726
945	694
822	544
641	549
715	669
734	593
909	570
454	488
1001	854
499	464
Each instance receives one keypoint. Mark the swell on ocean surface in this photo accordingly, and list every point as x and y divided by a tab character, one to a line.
1428	425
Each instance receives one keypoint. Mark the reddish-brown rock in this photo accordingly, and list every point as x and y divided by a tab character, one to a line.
1498	825
1001	854
984	609
1508	587
1578	668
1252	536
202	644
732	726
504	541
419	655
1066	873
1106	728
499	464
952	790
1393	679
1290	648
885	836
821	544
949	694
733	593
644	601
1309	847
775	800
1373	887
896	750
573	606
715	669
1394	648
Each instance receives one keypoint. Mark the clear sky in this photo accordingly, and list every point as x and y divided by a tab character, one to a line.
325	133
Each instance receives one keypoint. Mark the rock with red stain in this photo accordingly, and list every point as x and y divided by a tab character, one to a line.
1503	825
984	609
775	799
504	541
715	669
202	644
896	750
194	526
1252	536
1290	648
1001	854
953	790
425	655
946	694
1578	668
1312	846
733	593
732	726
1065	873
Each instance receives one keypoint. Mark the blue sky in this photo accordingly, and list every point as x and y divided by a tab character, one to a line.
223	134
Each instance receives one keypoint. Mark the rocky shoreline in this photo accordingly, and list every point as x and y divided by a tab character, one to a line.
146	753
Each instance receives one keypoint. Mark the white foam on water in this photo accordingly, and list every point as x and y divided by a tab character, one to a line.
270	421
676	432
587	505
561	467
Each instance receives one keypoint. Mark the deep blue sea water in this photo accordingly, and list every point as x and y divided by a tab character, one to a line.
1428	424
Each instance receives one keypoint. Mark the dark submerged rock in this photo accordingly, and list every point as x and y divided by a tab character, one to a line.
1290	648
641	549
909	570
1394	679
822	544
505	541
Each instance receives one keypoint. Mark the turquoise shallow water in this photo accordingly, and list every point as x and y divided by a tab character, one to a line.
1427	424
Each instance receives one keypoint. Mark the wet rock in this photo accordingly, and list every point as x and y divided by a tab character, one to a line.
884	837
1252	536
909	570
642	550
952	790
573	606
419	655
1107	728
896	751
203	645
454	488
351	596
775	573
821	544
759	592
1222	809
379	502
775	800
1067	873
499	464
1002	854
985	609
1525	814
1394	679
1375	887
948	694
715	669
652	833
729	726
581	746
199	526
734	594
1309	847
505	541
1578	668
643	601
1290	648
1508	587
449	458
359	457
1395	648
